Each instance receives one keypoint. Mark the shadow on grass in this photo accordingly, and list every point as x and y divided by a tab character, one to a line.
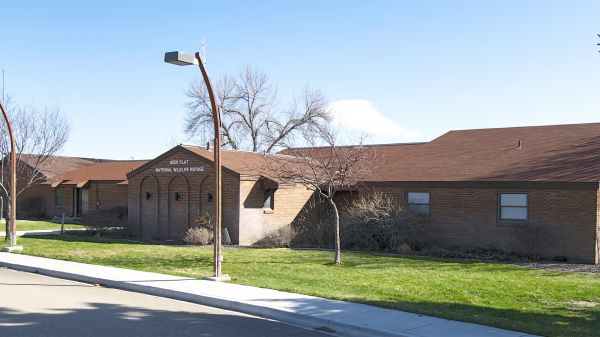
82	237
380	260
351	259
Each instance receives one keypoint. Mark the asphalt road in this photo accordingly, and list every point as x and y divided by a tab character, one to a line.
35	305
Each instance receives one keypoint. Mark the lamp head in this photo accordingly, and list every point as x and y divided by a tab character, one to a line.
180	58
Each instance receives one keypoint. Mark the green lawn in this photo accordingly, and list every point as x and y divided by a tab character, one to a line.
27	225
501	295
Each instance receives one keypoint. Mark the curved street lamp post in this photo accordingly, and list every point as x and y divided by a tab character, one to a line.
184	59
13	186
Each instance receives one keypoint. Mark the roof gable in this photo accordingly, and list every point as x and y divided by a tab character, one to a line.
173	152
239	163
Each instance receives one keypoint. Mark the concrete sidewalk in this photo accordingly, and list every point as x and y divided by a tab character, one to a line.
344	318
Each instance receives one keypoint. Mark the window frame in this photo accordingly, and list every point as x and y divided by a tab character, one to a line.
512	221
408	203
56	196
271	198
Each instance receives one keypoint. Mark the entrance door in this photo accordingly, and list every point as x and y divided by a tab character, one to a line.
76	202
84	200
149	208
178	207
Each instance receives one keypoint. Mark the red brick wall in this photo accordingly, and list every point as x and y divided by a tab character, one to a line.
567	219
193	188
47	193
243	214
598	226
106	195
37	198
256	221
101	196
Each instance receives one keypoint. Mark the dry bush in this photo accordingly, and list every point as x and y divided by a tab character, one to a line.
279	238
529	239
473	253
32	209
202	230
198	236
376	221
204	220
106	219
313	227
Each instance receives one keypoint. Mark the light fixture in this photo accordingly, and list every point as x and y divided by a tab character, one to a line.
180	58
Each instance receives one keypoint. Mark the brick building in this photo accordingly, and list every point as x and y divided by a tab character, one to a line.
516	189
519	189
38	200
168	192
93	188
76	187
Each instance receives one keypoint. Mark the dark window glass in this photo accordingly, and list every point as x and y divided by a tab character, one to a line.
418	202
268	199
513	206
58	196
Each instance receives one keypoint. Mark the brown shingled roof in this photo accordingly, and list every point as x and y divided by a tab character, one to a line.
241	162
58	165
554	153
561	153
105	171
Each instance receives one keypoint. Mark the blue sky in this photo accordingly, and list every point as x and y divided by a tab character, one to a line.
416	69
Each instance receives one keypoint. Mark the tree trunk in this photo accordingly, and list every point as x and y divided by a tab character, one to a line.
336	217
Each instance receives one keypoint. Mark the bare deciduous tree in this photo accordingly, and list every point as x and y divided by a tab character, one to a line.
325	168
250	116
39	135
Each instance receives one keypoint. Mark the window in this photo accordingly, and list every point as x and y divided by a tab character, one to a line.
58	196
418	202
512	207
268	199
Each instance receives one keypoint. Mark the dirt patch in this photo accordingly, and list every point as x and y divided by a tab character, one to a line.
582	304
564	267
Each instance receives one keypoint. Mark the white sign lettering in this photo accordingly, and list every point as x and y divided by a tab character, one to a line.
180	169
179	162
187	169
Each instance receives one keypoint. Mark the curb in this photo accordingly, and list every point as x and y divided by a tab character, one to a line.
297	319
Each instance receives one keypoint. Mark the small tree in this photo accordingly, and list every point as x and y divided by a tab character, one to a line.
325	168
251	119
39	135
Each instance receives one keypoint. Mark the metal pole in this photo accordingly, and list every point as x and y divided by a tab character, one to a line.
2	163
13	180
217	161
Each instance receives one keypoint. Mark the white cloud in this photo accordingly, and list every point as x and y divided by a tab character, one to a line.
361	116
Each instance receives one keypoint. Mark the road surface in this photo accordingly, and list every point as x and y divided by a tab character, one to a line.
35	305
